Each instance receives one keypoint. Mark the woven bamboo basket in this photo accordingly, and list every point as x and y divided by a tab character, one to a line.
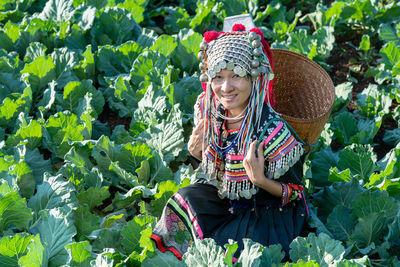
304	94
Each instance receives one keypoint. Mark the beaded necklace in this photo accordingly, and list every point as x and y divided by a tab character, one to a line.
214	135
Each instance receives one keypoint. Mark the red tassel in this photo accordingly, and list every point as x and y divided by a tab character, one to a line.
204	86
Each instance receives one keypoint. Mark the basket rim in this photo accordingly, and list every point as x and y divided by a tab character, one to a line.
305	120
323	72
302	57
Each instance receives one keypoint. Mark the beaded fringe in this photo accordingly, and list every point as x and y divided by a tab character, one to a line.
277	168
234	189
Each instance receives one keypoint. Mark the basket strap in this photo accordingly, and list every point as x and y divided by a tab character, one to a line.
290	128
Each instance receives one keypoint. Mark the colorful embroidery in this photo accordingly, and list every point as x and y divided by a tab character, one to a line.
281	151
193	220
211	154
177	227
290	192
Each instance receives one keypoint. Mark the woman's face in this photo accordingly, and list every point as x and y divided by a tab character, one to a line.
232	90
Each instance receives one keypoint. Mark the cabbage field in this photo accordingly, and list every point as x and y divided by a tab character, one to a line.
96	108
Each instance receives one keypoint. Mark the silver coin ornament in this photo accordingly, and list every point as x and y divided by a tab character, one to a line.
222	64
246	194
263	69
242	73
230	65
271	75
253	191
237	70
212	73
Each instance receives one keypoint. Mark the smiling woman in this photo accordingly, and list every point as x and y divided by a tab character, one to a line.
232	91
249	182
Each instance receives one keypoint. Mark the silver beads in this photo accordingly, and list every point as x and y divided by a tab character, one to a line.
255	63
200	55
256	43
254	36
203	45
254	73
257	52
203	78
202	66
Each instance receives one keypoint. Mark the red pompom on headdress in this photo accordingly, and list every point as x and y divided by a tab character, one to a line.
238	27
210	36
258	31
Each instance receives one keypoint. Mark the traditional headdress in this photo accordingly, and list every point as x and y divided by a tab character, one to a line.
238	50
243	52
246	50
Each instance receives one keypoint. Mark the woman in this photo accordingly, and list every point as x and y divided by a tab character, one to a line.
249	182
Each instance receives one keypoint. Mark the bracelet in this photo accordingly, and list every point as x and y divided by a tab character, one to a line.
290	192
286	194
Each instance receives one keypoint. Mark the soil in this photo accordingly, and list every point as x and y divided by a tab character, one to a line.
381	149
112	118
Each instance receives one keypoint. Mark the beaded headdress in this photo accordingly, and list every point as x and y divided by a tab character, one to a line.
239	51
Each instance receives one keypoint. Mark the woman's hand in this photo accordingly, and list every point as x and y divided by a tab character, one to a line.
195	144
254	166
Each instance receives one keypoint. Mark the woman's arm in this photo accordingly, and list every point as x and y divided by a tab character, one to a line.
195	144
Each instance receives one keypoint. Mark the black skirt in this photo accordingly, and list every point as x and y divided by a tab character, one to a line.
197	212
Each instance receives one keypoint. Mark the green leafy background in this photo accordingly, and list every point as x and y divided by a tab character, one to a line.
96	108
